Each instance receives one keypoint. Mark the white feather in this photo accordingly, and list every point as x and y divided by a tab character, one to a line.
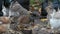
54	22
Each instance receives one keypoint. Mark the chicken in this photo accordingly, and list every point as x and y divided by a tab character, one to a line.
1	13
24	19
7	3
5	20
55	20
17	10
24	3
2	28
43	11
57	15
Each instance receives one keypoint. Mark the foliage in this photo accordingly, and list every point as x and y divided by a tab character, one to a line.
32	1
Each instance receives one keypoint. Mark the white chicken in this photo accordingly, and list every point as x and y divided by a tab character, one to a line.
55	20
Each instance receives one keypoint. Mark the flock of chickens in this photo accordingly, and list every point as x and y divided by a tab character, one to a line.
19	18
15	18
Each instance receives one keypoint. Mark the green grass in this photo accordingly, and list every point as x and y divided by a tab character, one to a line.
32	1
